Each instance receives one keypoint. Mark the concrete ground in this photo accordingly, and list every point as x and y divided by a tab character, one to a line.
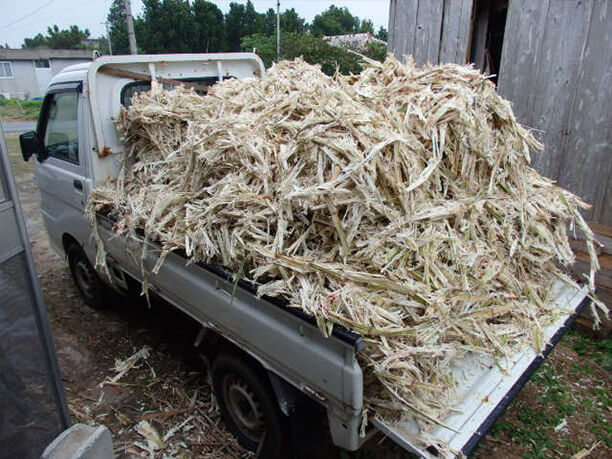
18	127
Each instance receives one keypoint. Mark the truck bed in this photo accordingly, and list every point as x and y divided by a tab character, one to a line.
487	388
327	368
285	341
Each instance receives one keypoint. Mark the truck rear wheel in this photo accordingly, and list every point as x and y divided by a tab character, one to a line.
249	408
88	283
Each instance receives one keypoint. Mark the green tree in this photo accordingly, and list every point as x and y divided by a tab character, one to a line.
264	45
270	22
367	26
37	41
166	26
313	49
234	23
253	21
210	26
118	28
290	22
102	46
382	34
335	21
243	20
71	38
377	51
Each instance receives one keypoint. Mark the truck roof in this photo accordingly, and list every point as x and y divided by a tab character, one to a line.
75	72
78	72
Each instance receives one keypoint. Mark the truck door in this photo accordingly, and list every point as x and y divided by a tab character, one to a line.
62	176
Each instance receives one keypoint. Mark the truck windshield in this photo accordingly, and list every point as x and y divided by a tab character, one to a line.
130	89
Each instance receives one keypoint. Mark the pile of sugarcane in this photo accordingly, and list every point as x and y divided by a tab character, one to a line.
399	203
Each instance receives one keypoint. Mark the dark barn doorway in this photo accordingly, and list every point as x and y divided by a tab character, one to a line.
488	35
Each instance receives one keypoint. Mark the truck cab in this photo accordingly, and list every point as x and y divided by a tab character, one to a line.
254	339
76	142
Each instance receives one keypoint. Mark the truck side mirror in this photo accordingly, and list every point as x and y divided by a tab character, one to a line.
30	145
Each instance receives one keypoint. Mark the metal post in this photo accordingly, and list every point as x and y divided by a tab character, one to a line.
278	30
108	39
130	27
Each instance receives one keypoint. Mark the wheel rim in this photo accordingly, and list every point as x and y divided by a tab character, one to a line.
85	277
244	407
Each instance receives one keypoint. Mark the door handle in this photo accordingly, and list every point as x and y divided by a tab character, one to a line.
78	185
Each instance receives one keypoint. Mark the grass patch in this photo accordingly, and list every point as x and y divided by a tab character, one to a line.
14	110
556	393
19	166
599	351
572	388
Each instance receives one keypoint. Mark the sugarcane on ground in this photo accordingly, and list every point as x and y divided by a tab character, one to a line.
565	409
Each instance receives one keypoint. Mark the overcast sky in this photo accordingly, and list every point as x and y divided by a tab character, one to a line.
21	19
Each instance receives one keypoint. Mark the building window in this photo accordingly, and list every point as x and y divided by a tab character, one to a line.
6	71
41	63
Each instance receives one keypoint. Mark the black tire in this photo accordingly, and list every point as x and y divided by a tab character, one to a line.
88	283
249	408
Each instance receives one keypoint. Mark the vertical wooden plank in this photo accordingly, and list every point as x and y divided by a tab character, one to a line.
451	19
404	30
416	29
421	33
588	162
427	32
506	84
602	207
557	66
404	25
465	24
410	20
391	25
456	29
525	25
435	32
418	36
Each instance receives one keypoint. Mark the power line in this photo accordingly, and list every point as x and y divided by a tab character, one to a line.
27	15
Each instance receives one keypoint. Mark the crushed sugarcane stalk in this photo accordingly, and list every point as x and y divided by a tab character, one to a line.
399	203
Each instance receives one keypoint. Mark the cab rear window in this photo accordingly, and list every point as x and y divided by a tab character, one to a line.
131	89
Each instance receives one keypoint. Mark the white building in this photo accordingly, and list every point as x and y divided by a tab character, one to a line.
25	73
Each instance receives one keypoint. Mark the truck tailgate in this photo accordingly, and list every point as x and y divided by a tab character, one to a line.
485	390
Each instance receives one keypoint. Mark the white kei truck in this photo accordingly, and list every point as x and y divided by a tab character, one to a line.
275	376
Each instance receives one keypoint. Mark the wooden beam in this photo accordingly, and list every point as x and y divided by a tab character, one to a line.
144	77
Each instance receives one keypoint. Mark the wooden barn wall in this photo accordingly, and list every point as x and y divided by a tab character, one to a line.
430	30
557	70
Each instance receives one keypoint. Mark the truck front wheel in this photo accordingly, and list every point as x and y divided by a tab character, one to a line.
87	281
249	408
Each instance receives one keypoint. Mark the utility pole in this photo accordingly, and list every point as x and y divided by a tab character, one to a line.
130	27
108	39
277	30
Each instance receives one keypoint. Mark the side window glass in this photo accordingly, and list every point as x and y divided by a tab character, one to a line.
61	132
